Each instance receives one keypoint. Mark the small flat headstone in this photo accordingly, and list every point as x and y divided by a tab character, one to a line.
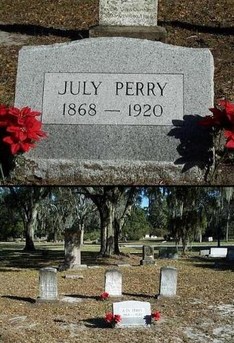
218	252
48	290
113	283
168	281
74	277
204	252
133	313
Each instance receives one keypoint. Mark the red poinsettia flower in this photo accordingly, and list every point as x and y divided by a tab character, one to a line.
219	119
117	318
228	108
156	315
17	145
230	139
109	317
22	128
112	319
23	113
3	110
104	296
4	119
223	116
30	130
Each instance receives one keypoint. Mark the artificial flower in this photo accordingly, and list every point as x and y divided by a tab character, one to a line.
156	315
17	145
23	113
109	317
104	296
112	319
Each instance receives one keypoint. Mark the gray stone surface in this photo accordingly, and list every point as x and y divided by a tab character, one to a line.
147	255
48	290
128	12
168	281
114	147
113	283
133	313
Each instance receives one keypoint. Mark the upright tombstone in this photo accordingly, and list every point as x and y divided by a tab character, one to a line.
132	313
128	18
117	111
113	283
48	290
168	281
148	255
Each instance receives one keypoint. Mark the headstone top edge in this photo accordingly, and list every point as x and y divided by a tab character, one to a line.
90	41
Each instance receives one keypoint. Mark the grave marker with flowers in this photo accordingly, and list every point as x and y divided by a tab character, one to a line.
117	111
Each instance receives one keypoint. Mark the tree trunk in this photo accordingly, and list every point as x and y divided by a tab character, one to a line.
29	244
30	229
107	229
116	236
184	245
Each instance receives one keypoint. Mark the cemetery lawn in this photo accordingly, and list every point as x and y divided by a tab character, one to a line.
198	24
202	311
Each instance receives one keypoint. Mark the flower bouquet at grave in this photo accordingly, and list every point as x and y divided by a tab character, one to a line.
222	124
112	319
156	315
19	129
104	296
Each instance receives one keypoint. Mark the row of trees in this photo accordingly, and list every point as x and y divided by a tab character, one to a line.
111	212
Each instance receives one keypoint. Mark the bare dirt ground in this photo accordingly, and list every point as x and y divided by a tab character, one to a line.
202	311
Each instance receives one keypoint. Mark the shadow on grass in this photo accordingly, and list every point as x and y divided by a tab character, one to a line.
98	322
81	296
14	297
10	258
138	295
218	264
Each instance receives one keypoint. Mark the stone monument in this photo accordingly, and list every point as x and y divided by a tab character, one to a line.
113	283
48	290
148	255
117	111
168	281
128	18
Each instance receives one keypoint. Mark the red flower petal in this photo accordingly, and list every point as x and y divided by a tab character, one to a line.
109	317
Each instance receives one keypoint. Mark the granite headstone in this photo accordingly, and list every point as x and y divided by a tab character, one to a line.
168	281
218	252
128	18
48	290
133	313
117	111
147	255
113	283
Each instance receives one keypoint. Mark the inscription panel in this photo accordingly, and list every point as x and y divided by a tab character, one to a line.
128	12
112	99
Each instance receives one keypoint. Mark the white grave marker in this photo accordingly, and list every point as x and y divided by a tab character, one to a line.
133	313
113	283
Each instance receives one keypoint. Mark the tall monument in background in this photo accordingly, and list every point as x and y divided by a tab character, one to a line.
129	18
